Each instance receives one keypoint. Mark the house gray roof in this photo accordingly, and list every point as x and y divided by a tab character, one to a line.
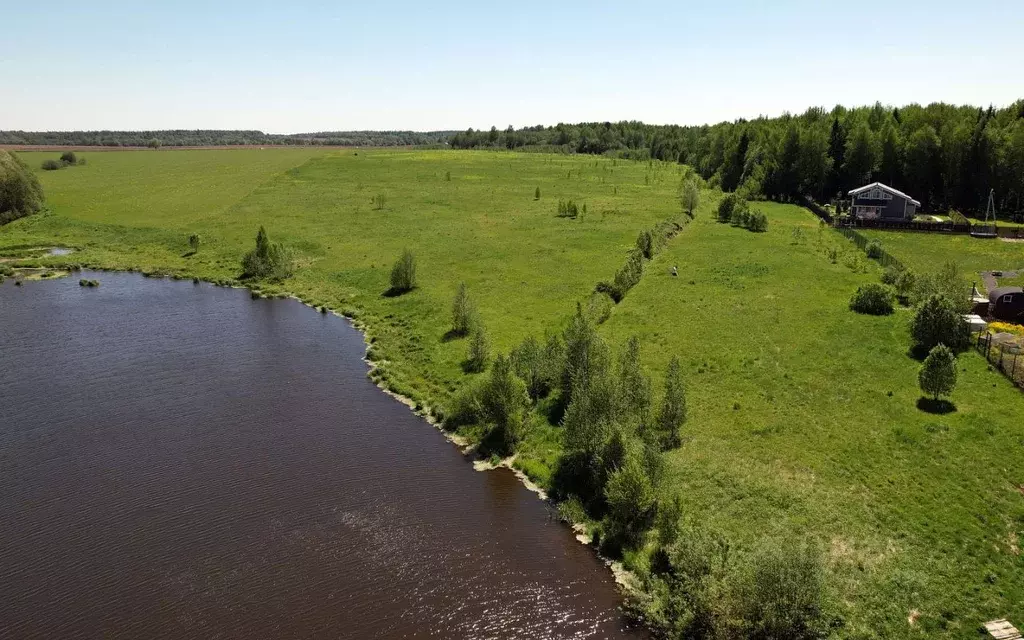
999	292
884	187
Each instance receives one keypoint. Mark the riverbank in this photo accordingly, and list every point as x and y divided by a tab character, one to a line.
803	422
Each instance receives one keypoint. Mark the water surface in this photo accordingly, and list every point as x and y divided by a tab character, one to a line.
179	461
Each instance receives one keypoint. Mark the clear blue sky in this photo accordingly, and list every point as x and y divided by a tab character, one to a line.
303	66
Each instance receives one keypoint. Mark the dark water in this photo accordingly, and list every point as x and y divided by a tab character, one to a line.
179	461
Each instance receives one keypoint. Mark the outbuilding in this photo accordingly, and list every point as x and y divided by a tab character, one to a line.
1006	303
877	201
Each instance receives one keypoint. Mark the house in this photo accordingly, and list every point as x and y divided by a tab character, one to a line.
1006	303
877	201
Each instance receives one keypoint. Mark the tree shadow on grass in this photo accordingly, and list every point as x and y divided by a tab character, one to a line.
938	407
452	334
394	293
189	254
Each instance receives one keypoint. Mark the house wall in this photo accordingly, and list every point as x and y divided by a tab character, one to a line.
891	209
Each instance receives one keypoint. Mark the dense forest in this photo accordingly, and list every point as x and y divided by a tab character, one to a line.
946	156
201	138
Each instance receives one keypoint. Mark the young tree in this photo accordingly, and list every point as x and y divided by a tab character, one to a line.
69	157
937	321
689	194
403	274
193	241
672	414
479	349
632	501
504	402
462	312
536	193
938	373
633	388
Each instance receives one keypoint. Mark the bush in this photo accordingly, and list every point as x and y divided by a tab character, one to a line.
631	501
873	249
267	261
463	313
69	157
403	274
464	407
20	191
784	594
627	276
479	350
538	366
875	299
757	222
726	207
645	244
937	321
536	193
193	241
568	209
938	373
891	275
905	284
740	213
503	404
51	165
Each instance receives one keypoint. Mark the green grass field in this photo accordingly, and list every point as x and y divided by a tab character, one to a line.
929	251
803	417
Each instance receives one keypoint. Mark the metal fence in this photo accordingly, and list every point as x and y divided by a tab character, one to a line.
1003	356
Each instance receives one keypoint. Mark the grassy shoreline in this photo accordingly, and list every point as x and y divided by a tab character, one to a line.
803	420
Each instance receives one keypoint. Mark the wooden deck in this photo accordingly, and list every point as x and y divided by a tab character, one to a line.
1002	630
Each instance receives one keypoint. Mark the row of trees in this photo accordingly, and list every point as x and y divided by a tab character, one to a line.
213	137
944	155
20	191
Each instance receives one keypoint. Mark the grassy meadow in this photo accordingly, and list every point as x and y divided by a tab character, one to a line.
803	417
929	251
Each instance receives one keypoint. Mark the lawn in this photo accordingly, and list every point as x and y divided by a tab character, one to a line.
925	252
803	417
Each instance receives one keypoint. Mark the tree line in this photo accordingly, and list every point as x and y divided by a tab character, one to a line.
946	156
213	137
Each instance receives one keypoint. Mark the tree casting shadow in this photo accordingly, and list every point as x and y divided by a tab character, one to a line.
931	405
394	293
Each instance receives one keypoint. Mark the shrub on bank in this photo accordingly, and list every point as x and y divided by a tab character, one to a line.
267	261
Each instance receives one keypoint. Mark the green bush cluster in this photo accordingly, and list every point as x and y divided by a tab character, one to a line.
267	261
874	299
937	320
20	191
628	276
568	209
700	587
873	249
736	210
67	159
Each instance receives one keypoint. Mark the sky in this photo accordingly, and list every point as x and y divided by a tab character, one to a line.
288	67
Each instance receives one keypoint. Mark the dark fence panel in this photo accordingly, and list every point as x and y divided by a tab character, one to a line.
909	225
884	258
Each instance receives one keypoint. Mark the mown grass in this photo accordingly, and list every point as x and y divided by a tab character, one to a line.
925	252
803	418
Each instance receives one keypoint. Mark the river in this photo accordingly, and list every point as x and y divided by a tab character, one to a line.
180	461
